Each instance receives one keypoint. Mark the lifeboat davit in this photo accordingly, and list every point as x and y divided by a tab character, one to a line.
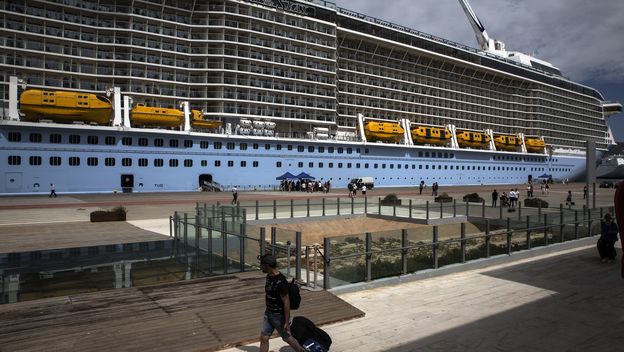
430	135
470	139
142	115
383	131
65	107
508	143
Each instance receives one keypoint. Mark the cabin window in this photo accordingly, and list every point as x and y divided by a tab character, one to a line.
126	162
383	166
188	162
74	139
34	160
392	166
204	163
230	163
92	140
426	167
74	161
256	146
243	146
420	167
340	165
320	165
15	160
173	143
366	166
188	143
267	146
217	163
55	138
311	149
109	161
243	163
92	161
357	165
230	146
278	147
290	147
310	165
143	142
330	150
217	145
255	164
55	161
426	154
110	140
35	137
331	165
340	150
15	137
300	149
158	163
321	149
278	164
173	162
126	141
300	164
143	162
203	145
349	150
376	166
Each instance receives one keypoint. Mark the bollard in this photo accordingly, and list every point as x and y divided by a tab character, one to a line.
394	209
561	225
519	210
273	239
288	259
539	209
410	208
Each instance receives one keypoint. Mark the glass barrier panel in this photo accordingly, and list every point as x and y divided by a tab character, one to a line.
420	257
519	241
449	252
498	244
348	270
387	263
475	247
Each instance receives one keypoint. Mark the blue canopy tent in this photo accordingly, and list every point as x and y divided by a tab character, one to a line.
545	176
286	176
305	176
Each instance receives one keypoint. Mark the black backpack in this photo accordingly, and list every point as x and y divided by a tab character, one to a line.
293	294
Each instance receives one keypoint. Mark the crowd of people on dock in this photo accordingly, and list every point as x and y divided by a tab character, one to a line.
302	185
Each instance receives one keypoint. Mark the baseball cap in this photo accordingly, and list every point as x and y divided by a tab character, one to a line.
268	260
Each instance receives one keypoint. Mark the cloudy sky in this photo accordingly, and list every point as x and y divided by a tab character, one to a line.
583	38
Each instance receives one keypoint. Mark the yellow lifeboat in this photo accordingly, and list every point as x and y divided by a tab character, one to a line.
65	107
198	122
472	139
383	131
142	115
534	145
430	135
509	143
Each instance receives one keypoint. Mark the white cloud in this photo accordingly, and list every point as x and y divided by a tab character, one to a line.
584	38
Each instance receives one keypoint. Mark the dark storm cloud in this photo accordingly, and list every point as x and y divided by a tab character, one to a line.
584	38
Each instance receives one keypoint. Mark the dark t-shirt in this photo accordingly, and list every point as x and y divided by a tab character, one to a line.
275	287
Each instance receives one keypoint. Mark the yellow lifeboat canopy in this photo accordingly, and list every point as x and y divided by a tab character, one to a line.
430	135
142	115
197	121
505	142
65	107
470	139
535	145
383	131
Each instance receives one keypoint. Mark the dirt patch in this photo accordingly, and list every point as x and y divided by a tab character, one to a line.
314	231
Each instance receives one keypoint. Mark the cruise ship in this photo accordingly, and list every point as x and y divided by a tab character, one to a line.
174	95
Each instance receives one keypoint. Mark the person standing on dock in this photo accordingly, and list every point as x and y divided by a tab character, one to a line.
52	190
494	198
234	195
277	300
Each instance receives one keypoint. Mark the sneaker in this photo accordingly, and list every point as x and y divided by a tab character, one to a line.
604	260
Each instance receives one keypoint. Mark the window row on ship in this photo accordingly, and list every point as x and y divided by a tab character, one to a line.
37	160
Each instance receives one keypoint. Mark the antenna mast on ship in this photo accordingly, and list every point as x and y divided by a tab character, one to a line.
497	47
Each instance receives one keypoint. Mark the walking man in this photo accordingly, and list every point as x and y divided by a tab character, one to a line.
277	313
585	192
234	195
52	190
494	198
364	191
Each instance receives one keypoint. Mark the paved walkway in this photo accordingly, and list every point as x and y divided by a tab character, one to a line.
567	301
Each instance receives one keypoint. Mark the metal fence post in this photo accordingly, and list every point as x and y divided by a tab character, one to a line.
307	262
365	205
379	205
528	231
545	229
519	210
539	209
274	209
326	264
185	227
509	236
224	238
434	248
576	225
462	233
262	241
242	247
483	208
273	239
404	251
427	210
561	225
369	245
257	210
488	239
500	209
298	255
594	195
394	208
467	209
323	206
308	207
589	223
176	221
410	208
352	206
292	209
288	251
337	205
441	209
454	207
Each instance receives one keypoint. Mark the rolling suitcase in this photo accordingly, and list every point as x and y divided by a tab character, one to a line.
309	336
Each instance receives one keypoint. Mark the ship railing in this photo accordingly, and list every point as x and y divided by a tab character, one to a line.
221	239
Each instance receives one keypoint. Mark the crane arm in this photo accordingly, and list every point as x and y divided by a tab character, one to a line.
477	26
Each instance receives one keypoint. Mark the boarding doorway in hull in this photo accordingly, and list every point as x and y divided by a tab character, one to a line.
206	184
127	183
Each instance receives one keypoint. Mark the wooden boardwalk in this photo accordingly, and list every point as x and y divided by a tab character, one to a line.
199	315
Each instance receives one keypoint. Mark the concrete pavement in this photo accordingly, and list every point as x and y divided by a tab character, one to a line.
565	301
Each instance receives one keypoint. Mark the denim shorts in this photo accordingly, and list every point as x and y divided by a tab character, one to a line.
274	321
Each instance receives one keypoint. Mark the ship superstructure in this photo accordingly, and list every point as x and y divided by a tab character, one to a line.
307	75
